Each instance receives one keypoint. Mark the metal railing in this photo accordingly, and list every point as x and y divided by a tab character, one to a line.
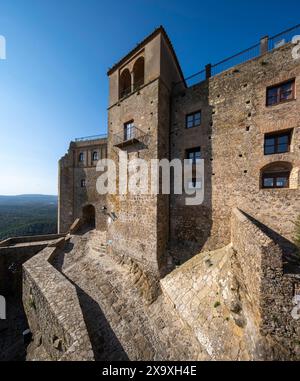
283	37
93	137
134	87
125	92
266	44
196	78
236	59
128	135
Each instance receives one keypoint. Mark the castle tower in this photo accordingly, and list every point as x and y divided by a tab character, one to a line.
77	177
139	125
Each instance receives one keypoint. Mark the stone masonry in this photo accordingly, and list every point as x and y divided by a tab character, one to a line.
235	119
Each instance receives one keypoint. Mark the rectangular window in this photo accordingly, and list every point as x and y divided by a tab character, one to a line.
95	156
193	120
193	155
128	130
278	142
81	157
83	183
281	93
276	180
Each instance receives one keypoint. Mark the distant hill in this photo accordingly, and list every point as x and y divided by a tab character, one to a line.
28	214
27	198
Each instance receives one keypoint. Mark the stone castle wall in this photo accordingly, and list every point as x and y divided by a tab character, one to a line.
141	230
237	300
191	224
270	290
234	120
134	232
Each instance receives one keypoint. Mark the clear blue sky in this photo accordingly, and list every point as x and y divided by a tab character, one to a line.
53	85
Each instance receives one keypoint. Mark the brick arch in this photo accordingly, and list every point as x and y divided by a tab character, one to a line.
138	72
124	83
277	167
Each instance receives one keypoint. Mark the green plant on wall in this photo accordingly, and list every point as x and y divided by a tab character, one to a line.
297	234
31	303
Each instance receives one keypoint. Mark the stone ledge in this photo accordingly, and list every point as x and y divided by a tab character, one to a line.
53	310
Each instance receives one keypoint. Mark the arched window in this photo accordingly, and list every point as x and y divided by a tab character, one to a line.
125	83
276	175
138	73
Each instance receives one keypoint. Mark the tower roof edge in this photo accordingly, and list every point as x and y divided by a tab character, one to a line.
159	30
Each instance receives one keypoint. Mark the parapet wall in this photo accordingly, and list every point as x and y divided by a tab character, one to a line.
271	291
29	239
53	310
13	253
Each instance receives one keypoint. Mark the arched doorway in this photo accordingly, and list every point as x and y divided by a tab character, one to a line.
89	215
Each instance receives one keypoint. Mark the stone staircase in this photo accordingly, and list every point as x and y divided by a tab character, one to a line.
120	324
97	242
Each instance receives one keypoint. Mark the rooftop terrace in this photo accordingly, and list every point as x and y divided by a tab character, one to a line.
90	138
265	45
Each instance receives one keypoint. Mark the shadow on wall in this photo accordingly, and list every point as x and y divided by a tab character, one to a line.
89	215
88	202
81	182
105	344
59	260
190	226
291	259
12	345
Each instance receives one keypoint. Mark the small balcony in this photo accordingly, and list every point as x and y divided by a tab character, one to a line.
124	92
127	136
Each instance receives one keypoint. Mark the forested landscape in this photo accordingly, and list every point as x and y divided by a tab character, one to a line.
27	215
